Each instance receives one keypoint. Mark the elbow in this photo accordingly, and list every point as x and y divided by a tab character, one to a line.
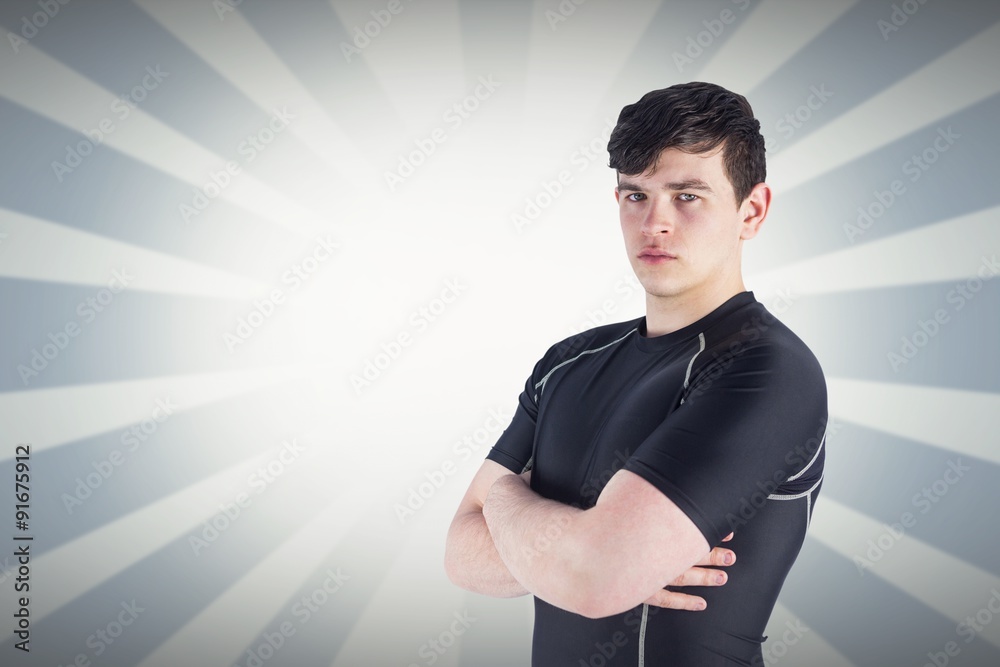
604	583
592	608
593	587
594	602
599	604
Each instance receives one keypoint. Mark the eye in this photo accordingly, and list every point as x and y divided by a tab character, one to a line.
635	196
684	197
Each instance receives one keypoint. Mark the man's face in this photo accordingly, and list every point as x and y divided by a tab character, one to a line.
682	226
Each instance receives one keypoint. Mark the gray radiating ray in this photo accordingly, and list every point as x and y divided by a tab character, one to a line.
116	196
112	43
934	182
308	36
365	554
867	620
496	39
187	447
891	334
137	333
885	476
173	583
134	335
652	64
854	44
51	252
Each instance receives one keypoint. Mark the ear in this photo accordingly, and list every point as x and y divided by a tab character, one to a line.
617	195
754	210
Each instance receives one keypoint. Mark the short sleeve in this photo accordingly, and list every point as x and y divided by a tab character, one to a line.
736	436
515	447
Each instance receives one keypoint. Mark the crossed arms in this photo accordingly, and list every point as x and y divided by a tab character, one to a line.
506	541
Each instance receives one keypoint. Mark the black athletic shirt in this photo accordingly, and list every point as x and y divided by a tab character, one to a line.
727	417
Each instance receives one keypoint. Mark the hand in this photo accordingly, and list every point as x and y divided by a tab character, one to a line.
696	576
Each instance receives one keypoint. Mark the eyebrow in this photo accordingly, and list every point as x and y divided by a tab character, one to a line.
687	184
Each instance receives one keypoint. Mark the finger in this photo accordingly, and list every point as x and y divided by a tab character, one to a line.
701	576
718	556
673	600
728	537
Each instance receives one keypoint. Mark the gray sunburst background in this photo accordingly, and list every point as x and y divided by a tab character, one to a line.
272	275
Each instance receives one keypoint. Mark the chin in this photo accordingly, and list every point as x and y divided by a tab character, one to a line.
661	288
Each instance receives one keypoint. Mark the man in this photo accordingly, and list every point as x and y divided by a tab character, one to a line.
637	447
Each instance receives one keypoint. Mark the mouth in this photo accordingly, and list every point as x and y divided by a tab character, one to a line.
655	256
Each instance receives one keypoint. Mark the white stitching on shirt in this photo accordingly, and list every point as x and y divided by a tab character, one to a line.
642	635
541	383
701	348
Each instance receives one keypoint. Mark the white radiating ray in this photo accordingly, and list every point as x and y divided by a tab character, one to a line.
958	420
954	249
239	610
769	37
52	252
939	580
78	566
88	409
232	47
416	573
954	81
141	136
413	85
564	107
800	647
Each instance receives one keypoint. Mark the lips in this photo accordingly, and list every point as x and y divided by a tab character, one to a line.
655	254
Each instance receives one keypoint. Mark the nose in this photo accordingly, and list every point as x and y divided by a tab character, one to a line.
658	218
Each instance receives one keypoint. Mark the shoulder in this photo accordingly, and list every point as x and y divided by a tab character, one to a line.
752	349
753	332
590	341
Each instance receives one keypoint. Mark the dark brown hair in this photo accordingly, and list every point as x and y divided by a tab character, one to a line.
694	117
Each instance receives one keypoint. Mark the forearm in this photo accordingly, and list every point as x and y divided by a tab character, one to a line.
538	541
472	561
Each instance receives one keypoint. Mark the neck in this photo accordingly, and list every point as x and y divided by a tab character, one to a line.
666	314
